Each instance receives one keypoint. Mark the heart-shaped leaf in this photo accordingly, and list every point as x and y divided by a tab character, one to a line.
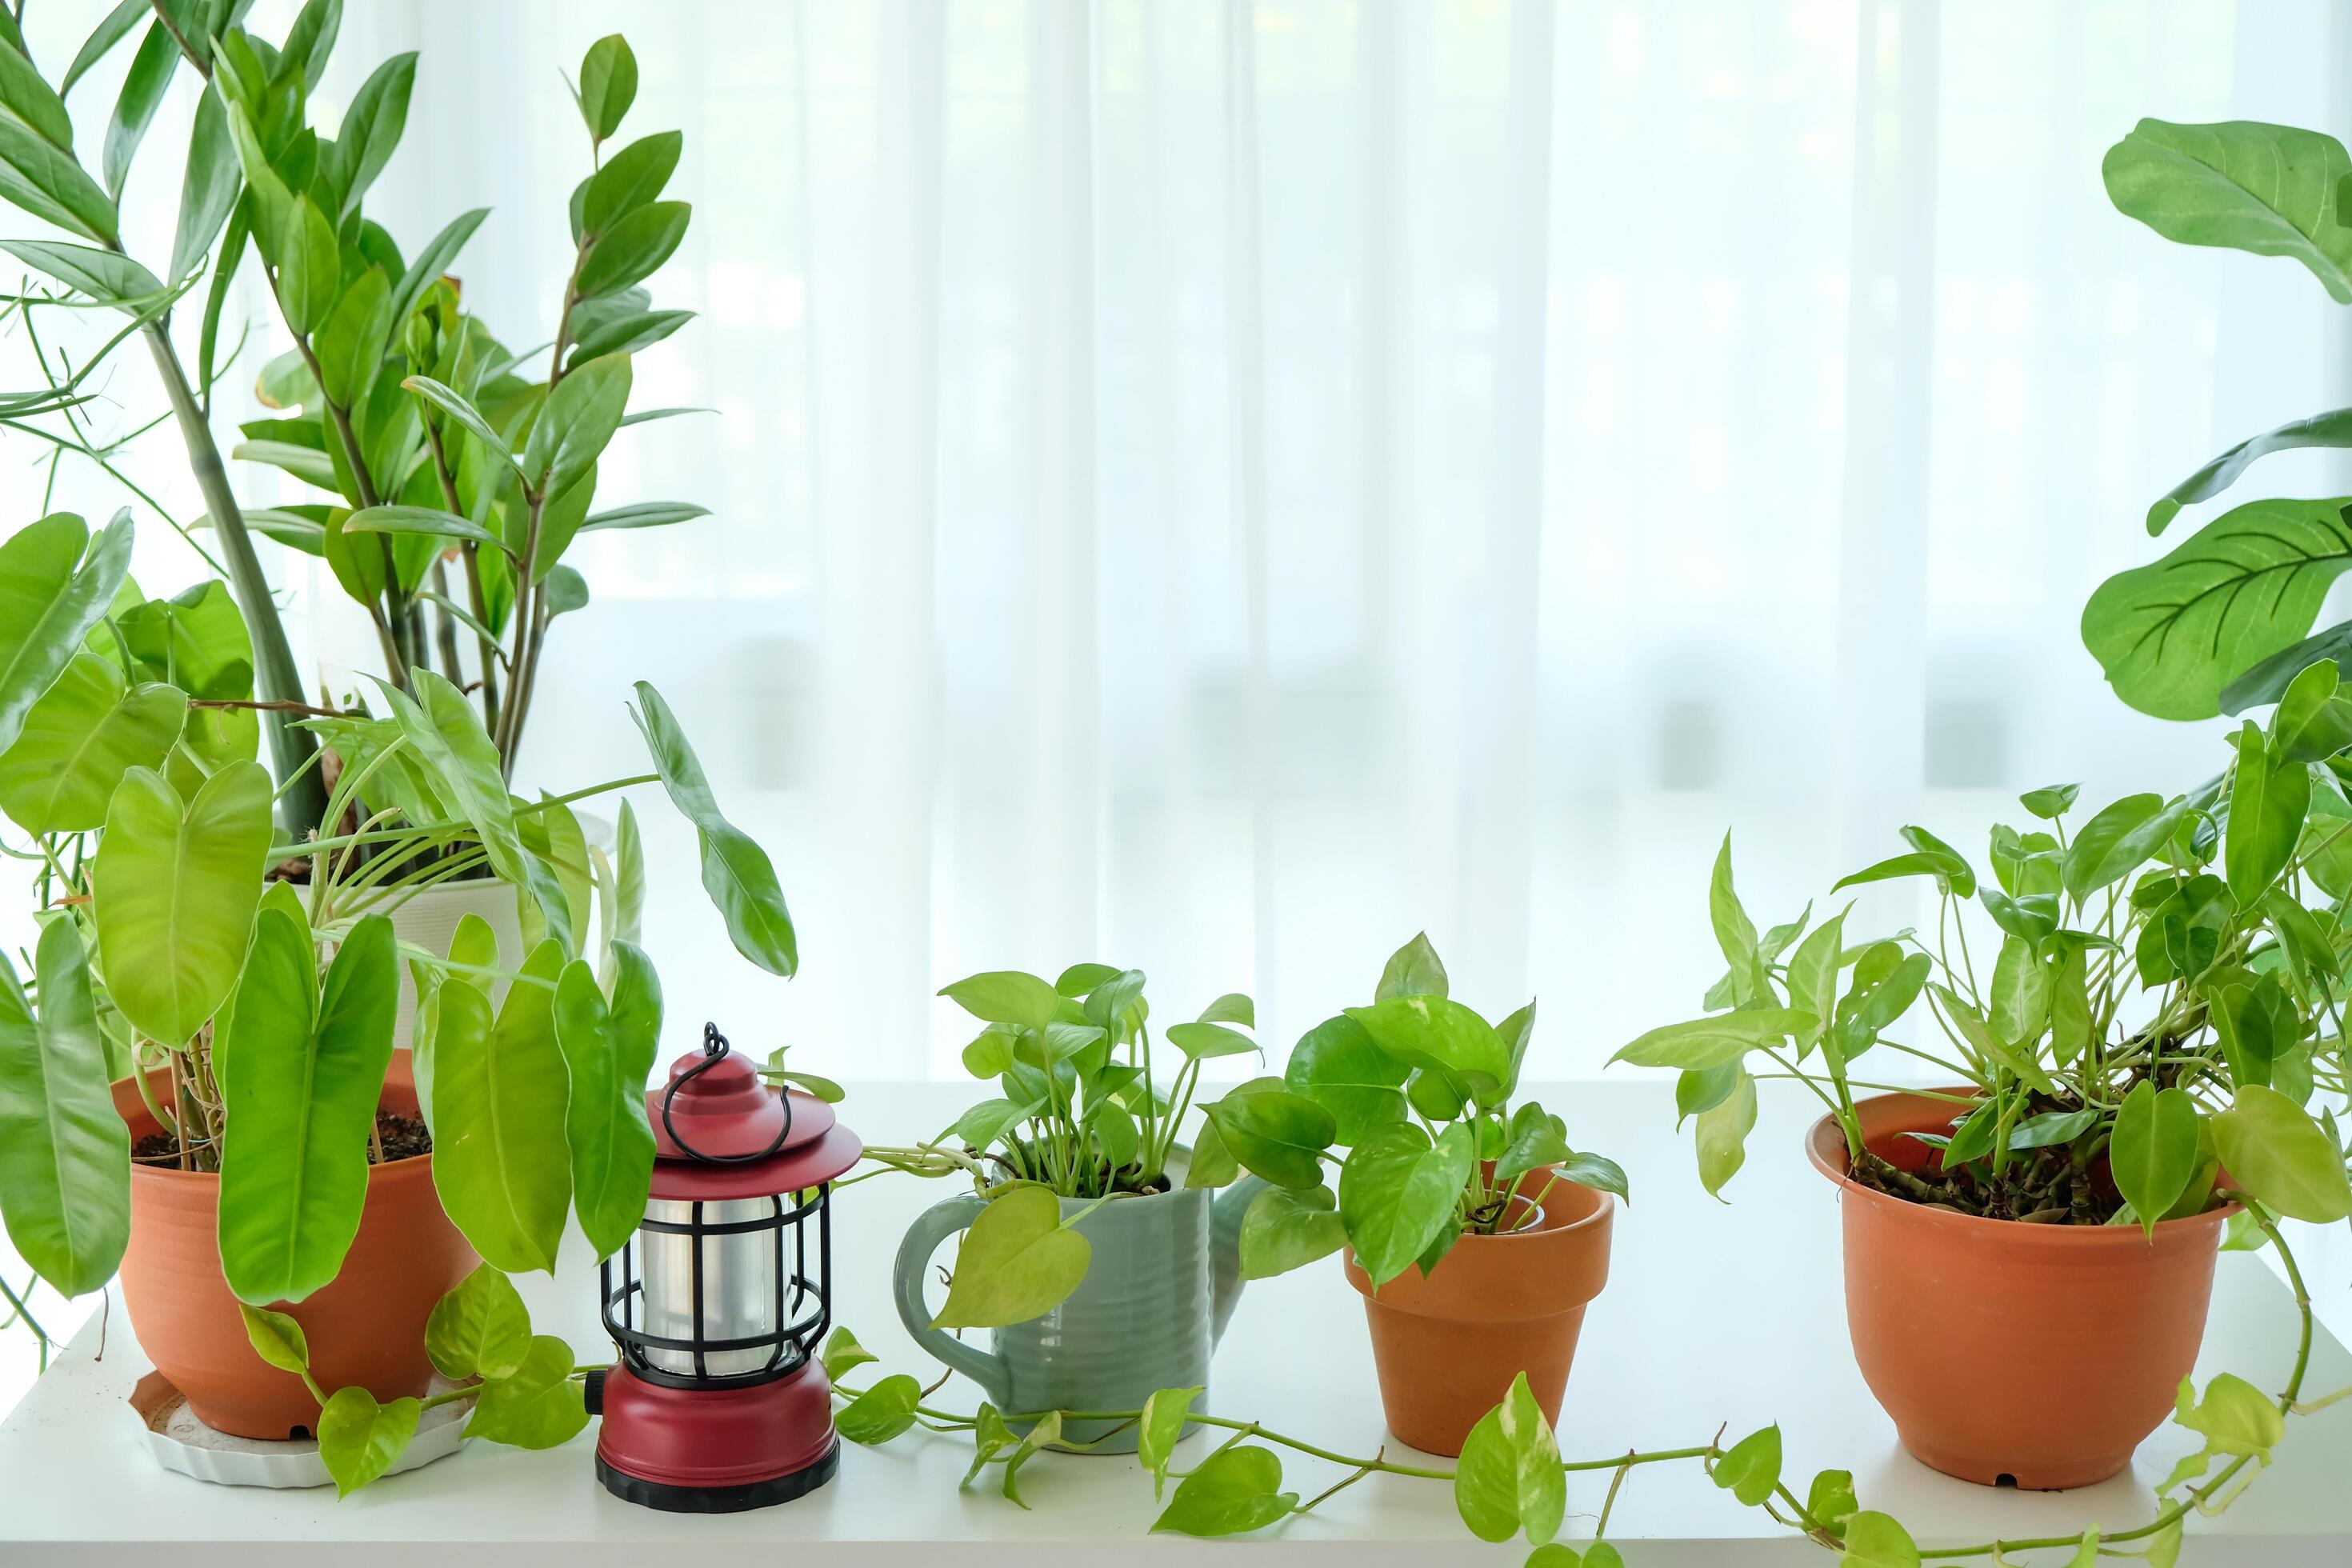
359	1439
1509	1478
480	1329
1018	1261
176	891
1398	1193
1234	1491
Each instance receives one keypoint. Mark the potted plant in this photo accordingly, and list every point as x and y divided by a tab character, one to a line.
1092	1246
1475	1234
2128	1081
454	476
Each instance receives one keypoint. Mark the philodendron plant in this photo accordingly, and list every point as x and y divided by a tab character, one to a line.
1080	1115
1416	1090
439	451
253	976
2224	622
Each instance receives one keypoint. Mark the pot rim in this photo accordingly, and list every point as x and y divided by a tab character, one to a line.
389	1173
1826	1132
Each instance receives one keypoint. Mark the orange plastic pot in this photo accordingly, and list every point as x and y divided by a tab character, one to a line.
2109	1319
1447	1344
366	1328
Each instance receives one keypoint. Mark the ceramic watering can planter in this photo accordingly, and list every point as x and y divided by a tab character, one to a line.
366	1328
1447	1344
1160	1285
2114	1318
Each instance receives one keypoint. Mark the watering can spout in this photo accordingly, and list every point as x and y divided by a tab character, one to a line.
1226	1249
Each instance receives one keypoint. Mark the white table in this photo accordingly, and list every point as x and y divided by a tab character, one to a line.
1714	1316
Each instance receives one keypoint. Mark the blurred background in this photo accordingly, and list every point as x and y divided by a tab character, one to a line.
1220	487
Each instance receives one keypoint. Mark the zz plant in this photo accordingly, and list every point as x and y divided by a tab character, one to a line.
438	449
1080	1115
1416	1090
2224	621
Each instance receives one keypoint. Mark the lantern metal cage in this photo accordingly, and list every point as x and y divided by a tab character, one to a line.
718	1304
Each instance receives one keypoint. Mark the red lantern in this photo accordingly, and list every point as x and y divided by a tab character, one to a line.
719	1304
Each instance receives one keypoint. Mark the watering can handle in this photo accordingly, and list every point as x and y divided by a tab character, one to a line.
936	1224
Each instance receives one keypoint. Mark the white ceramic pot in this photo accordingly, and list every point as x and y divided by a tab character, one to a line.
430	918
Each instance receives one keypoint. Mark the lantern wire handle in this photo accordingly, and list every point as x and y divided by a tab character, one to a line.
714	1050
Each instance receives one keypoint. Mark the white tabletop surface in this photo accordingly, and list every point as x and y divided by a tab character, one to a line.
1714	1316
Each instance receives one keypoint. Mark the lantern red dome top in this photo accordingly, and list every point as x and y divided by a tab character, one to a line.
721	1133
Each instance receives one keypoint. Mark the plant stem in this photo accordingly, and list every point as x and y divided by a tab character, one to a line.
302	808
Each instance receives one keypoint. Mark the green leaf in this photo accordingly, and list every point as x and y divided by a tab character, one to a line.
351	345
1946	866
1831	1498
1275	1134
43	179
2314	720
86	731
1234	1491
608	84
111	29
103	275
276	1338
51	595
372	129
1212	1163
1876	1540
2268	802
1288	1227
2051	802
359	1439
645	514
1161	1428
208	189
1716	1040
1006	997
176	890
65	1154
2172	634
2020	997
609	1051
1414	970
2273	1149
637	243
427	268
500	1160
1720	1134
882	1412
480	1329
1735	933
424	519
142	92
459	407
1751	1469
302	1070
1813	977
1509	1478
579	420
2234	1418
1337	1067
2118	840
1232	1007
1045	1432
537	1405
310	267
2268	189
1398	1192
1201	1041
844	1354
1430	1032
629	179
736	871
1018	1261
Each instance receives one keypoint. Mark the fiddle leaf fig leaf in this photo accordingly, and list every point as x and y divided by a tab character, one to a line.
2267	189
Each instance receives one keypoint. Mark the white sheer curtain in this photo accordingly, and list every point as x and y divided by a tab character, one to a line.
1218	487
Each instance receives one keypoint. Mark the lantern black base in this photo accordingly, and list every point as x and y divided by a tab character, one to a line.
718	1499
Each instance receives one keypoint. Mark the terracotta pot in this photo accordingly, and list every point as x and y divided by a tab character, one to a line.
1447	1344
2110	1320
366	1328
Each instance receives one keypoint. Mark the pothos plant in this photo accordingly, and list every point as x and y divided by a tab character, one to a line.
441	449
1080	1115
2224	621
2158	1032
1416	1089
